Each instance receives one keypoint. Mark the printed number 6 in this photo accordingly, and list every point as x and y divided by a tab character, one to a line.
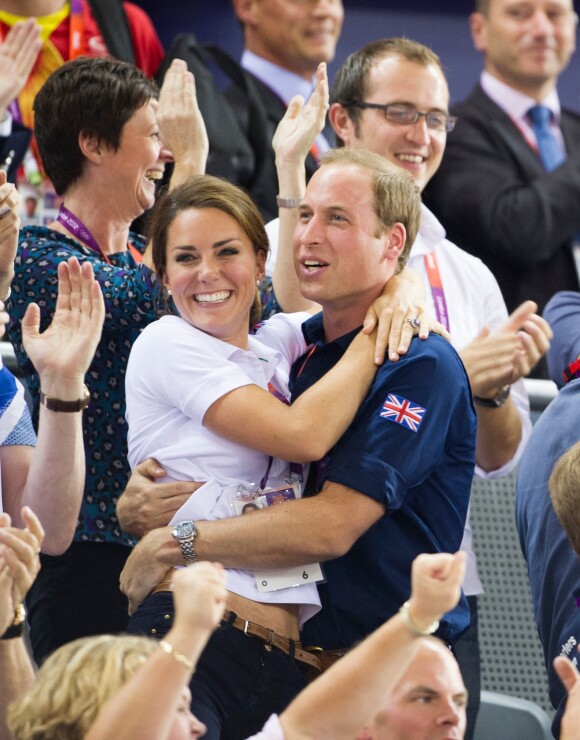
305	576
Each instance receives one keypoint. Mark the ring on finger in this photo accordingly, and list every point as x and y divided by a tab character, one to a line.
415	323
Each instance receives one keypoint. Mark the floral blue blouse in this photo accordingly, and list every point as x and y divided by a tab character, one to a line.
129	292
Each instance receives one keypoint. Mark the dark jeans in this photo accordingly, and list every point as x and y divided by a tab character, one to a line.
76	595
239	681
466	651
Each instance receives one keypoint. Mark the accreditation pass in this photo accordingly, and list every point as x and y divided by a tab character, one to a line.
277	578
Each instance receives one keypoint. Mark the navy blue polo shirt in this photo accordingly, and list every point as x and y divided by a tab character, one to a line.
553	566
411	447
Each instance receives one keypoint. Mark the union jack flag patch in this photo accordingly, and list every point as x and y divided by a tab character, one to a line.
403	412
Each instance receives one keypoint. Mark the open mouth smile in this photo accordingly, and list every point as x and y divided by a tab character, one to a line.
412	158
218	297
312	265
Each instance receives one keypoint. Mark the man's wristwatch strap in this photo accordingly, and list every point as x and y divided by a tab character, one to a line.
187	550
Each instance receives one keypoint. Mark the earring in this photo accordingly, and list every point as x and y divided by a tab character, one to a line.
258	281
168	291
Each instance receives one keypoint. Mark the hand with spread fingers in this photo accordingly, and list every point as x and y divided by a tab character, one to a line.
400	313
145	504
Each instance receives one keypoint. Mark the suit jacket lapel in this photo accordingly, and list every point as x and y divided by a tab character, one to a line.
507	131
570	126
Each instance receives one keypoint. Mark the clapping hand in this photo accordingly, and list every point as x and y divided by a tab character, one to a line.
181	126
19	562
18	54
302	122
62	354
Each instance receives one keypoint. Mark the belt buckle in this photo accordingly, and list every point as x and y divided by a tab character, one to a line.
246	625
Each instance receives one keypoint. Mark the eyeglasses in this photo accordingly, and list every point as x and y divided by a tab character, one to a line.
406	115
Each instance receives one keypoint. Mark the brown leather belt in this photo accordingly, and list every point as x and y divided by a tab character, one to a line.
166	585
287	646
268	636
327	657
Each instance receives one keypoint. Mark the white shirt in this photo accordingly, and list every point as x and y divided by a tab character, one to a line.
474	300
272	730
174	374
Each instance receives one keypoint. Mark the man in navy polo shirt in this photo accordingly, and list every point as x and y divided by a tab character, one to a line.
398	482
409	451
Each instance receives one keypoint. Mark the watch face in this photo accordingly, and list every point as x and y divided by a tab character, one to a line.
183	530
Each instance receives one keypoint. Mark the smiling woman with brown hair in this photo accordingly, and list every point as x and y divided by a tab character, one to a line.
99	137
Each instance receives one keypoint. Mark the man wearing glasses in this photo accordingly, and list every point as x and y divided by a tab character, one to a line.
391	97
509	186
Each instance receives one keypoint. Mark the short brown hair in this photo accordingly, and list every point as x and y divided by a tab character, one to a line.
206	191
482	6
91	96
350	85
564	485
397	198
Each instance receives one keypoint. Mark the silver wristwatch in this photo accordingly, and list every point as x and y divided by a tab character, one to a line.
185	533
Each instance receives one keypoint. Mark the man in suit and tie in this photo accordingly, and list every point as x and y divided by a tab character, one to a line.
284	42
508	189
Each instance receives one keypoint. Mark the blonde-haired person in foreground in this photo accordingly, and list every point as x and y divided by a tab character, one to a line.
80	678
129	687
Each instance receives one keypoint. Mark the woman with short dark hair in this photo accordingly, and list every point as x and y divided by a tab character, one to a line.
97	129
